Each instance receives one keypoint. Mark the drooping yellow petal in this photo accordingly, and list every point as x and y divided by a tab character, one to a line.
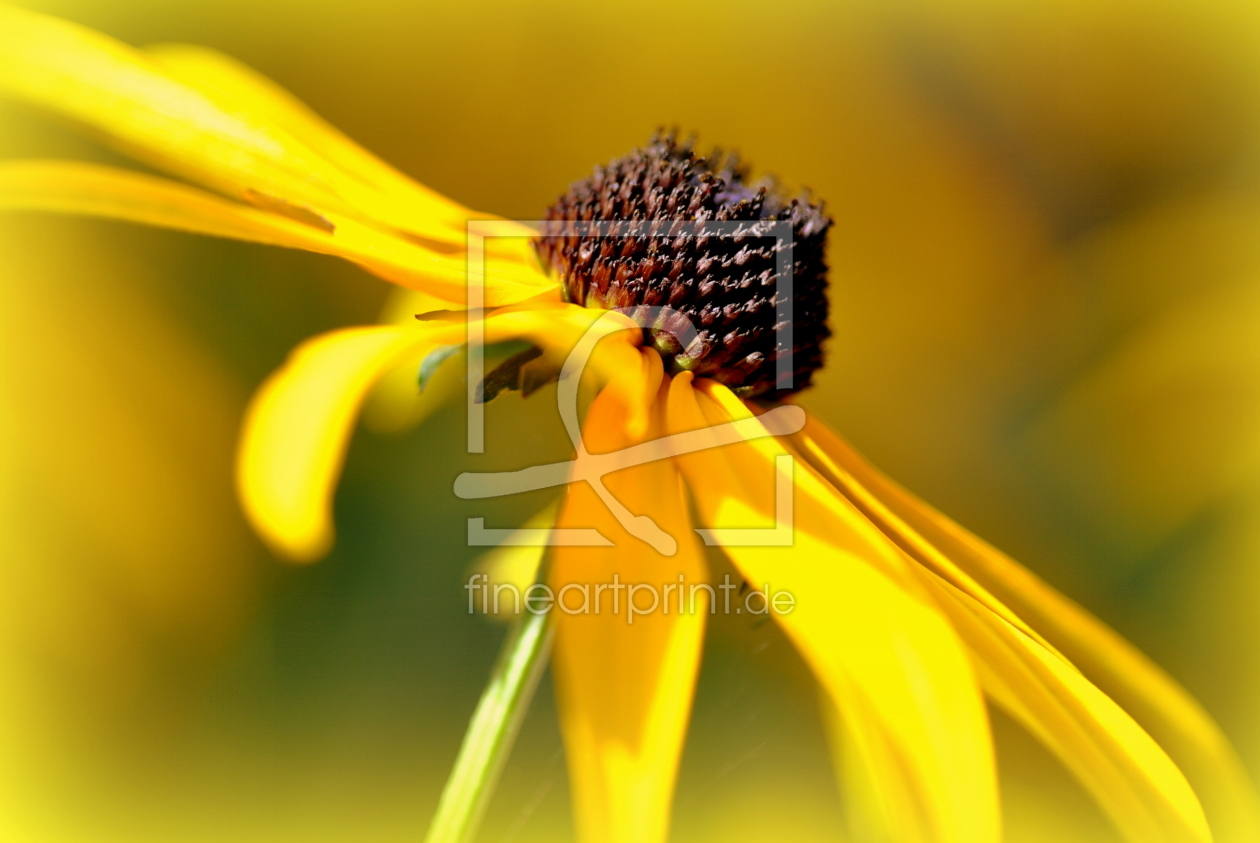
876	788
399	201
877	642
805	446
615	363
297	429
397	404
394	404
240	89
1138	786
1171	716
403	306
122	94
76	188
299	423
207	119
625	681
1133	779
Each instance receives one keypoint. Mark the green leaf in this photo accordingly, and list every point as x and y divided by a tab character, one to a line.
433	360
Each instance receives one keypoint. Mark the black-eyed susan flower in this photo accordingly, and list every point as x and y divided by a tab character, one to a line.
907	621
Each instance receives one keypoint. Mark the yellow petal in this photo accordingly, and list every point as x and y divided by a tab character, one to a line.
1154	699
625	689
403	306
75	188
1132	778
397	404
394	404
878	644
227	128
615	362
395	200
806	446
879	801
240	89
299	424
117	91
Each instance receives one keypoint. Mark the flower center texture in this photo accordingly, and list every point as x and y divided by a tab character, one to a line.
697	255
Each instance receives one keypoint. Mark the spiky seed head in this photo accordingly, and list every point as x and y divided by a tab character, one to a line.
727	287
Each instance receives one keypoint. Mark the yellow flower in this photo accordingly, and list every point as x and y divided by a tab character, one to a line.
907	621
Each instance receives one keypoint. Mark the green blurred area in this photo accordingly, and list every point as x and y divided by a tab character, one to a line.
1047	322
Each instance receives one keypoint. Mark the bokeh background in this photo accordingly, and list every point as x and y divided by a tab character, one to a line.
1046	273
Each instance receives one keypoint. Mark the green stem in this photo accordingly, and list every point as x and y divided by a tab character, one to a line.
492	730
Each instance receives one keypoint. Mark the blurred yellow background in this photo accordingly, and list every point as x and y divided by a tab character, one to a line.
1046	275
